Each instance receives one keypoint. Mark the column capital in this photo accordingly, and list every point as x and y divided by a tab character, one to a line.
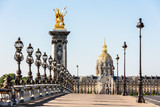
54	41
65	41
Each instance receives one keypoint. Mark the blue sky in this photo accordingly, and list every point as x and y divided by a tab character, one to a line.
90	21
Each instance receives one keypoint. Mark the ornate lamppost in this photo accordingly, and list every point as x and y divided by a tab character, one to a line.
54	71
78	80
50	60
38	63
30	61
117	58
61	75
77	70
140	94
66	81
71	83
44	65
124	79
69	78
67	75
58	73
64	77
18	57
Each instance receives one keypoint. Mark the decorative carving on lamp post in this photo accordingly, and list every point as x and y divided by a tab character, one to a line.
18	57
30	61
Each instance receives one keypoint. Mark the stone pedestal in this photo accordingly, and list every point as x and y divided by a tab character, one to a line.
59	45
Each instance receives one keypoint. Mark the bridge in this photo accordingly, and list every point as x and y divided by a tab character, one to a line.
57	89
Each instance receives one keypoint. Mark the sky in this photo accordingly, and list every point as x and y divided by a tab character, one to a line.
90	21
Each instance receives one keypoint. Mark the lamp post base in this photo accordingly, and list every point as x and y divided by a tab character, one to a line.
117	91
124	94
141	100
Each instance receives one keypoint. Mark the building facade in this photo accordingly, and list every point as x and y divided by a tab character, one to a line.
106	83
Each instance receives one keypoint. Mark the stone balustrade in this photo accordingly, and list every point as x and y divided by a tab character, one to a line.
25	93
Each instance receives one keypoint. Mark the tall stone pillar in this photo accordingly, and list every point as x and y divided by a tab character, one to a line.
59	45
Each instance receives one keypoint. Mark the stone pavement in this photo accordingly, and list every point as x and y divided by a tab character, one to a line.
90	100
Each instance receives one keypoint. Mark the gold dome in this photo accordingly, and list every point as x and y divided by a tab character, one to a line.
104	62
104	56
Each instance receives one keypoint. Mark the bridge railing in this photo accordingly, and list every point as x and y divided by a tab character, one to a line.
61	81
25	93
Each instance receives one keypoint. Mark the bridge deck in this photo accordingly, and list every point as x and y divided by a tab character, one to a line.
89	100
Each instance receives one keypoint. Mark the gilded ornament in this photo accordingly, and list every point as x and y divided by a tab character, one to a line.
104	56
59	19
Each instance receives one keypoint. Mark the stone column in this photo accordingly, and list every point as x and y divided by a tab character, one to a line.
59	45
65	53
54	48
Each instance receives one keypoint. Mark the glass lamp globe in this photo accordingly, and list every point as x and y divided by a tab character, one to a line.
117	58
50	60
54	62
19	44
124	45
38	53
30	49
140	24
45	56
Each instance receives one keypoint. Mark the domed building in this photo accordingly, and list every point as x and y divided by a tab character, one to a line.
105	73
104	64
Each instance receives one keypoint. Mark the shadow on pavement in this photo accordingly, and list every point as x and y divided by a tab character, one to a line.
40	103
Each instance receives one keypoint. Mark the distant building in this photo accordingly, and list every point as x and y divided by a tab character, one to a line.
105	82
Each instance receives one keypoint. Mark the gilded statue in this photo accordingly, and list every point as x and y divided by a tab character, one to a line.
59	18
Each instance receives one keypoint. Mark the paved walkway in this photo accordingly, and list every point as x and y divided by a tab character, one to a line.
90	100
